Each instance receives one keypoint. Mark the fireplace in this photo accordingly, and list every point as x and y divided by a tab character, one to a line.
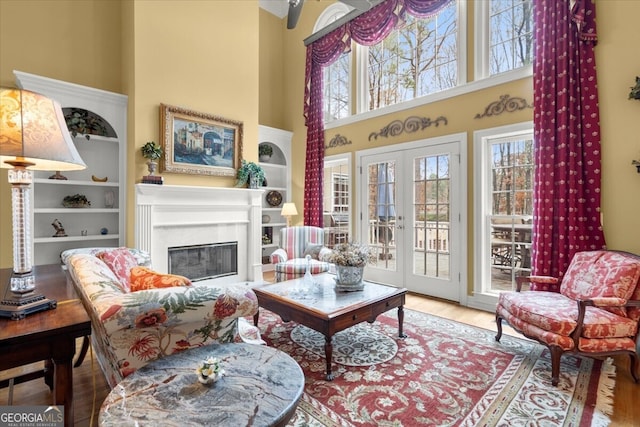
175	216
202	262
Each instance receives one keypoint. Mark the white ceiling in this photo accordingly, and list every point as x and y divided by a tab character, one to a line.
276	7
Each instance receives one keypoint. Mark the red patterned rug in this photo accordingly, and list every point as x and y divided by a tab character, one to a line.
444	374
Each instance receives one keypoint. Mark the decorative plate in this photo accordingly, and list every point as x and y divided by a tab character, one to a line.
274	198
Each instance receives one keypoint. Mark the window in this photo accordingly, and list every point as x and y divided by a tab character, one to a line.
504	36
337	76
418	58
506	205
336	89
336	202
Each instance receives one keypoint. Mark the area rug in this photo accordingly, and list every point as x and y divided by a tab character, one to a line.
444	374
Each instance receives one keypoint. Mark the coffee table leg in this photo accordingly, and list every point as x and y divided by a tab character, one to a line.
328	354
401	334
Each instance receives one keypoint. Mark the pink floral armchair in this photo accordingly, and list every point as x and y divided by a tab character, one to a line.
594	313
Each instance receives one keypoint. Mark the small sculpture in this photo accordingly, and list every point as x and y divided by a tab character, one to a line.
59	229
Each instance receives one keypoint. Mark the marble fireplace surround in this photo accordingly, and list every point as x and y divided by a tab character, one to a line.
175	215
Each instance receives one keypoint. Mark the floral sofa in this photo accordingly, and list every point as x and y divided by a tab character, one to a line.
593	311
133	327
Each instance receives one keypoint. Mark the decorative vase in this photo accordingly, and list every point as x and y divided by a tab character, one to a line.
349	278
264	157
208	379
253	181
152	166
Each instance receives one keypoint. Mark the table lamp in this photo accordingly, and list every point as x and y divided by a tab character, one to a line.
33	136
288	210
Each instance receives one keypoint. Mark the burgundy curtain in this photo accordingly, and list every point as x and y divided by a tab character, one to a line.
566	198
367	29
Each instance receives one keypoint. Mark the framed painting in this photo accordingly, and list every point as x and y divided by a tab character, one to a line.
199	143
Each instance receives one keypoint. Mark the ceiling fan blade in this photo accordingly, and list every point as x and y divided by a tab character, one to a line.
295	7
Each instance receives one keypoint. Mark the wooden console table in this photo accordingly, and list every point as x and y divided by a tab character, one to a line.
48	335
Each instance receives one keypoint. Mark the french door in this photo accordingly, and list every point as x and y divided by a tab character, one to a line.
410	205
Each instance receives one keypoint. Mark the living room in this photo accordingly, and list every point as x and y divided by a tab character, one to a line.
237	60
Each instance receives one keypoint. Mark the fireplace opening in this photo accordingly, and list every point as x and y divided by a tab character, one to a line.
201	262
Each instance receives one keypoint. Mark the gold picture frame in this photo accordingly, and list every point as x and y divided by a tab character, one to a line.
199	143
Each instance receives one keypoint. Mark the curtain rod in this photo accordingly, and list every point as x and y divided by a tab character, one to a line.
335	24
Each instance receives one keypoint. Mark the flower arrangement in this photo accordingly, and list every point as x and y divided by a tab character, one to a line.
76	201
350	254
209	370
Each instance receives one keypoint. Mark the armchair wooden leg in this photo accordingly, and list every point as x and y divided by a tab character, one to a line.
83	352
556	353
499	325
634	366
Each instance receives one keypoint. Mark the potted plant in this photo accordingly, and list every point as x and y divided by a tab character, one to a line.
152	152
249	173
350	260
81	121
635	90
265	151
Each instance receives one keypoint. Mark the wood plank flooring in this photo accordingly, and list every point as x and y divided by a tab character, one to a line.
90	387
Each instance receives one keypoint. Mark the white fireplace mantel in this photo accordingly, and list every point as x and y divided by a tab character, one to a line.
175	215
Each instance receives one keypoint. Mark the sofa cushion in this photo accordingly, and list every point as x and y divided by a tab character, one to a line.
142	278
298	266
550	311
313	250
601	274
120	261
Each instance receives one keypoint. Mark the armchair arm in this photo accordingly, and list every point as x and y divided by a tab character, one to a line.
597	302
279	255
521	280
170	307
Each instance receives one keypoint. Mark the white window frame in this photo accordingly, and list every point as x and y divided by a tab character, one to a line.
483	299
482	51
362	76
342	158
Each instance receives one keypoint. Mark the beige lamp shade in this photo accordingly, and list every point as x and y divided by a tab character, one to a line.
289	209
34	134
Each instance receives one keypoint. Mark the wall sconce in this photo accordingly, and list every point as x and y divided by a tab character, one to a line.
636	163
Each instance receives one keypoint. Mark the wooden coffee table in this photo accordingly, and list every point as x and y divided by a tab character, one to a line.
261	387
329	311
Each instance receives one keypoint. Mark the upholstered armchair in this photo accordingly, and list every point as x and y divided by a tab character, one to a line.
595	312
296	243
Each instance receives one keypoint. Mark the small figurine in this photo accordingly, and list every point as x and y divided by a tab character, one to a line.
59	229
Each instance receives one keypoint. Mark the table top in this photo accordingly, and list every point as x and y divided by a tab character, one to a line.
326	299
261	386
69	317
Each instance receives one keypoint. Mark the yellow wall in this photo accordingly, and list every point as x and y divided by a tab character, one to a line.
617	68
200	55
205	55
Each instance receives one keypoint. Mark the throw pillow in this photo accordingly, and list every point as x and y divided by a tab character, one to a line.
120	261
144	278
313	250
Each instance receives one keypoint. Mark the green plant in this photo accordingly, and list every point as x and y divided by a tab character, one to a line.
635	90
265	150
151	151
75	200
82	121
246	170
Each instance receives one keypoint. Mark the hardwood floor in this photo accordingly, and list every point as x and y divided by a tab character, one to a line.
90	387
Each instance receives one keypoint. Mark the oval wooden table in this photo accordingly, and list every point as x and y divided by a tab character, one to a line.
261	387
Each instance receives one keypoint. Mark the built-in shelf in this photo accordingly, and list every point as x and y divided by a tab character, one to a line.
105	157
278	173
